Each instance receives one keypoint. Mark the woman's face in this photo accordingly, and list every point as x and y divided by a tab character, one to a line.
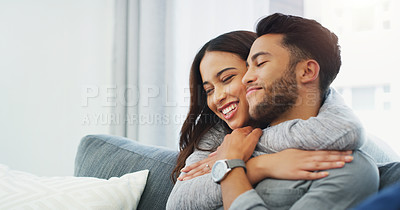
222	73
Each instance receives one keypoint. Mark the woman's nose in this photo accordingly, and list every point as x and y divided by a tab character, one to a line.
219	96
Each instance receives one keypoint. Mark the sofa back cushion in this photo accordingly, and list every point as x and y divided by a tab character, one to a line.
105	156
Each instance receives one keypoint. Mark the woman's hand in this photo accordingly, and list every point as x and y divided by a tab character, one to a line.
295	164
199	168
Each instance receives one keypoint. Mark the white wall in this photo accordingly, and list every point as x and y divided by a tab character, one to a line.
369	56
50	51
55	54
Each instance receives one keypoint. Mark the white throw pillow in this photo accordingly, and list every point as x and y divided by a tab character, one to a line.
21	190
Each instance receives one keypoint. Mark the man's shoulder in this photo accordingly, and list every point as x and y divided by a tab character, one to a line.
343	187
362	163
361	170
357	179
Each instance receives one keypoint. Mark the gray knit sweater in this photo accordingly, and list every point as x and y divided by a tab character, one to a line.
334	128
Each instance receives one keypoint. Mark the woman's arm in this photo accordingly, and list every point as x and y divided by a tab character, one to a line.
201	192
290	164
295	164
198	193
336	127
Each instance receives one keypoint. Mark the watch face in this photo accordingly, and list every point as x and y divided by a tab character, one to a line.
219	170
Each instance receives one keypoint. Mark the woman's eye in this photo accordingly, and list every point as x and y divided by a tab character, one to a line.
225	79
208	91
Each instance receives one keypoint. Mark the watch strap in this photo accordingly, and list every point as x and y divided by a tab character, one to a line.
234	163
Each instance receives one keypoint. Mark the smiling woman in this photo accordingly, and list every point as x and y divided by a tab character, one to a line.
222	74
213	93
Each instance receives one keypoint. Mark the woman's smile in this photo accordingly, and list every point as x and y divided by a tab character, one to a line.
229	110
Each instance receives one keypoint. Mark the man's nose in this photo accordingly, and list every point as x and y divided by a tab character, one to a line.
249	77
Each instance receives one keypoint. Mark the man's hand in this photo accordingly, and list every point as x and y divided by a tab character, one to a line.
240	144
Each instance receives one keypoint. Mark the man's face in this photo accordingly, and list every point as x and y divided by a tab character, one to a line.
270	81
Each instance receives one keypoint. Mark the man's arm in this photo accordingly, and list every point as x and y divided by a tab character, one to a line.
344	187
240	145
336	127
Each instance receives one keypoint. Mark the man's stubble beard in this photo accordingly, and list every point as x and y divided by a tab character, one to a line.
279	97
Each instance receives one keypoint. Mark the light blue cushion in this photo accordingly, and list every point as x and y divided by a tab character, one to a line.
379	150
105	156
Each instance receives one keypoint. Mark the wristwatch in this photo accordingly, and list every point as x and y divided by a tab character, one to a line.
221	168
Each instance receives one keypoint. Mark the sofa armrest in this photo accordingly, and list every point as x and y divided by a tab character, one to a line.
379	150
105	156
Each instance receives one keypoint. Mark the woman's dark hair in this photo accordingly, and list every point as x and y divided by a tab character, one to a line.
200	118
306	39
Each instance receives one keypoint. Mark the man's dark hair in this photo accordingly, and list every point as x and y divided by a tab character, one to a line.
306	39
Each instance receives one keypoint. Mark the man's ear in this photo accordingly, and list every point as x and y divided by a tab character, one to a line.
309	71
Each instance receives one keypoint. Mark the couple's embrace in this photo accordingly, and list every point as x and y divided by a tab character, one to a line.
264	118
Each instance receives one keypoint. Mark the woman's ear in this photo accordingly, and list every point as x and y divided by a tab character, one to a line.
310	71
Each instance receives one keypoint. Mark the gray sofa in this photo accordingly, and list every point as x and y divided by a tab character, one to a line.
106	156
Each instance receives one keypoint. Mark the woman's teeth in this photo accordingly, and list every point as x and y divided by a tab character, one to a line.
229	109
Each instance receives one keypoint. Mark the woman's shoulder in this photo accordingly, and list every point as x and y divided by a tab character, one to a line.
213	137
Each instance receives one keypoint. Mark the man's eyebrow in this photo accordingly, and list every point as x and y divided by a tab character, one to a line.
219	73
259	54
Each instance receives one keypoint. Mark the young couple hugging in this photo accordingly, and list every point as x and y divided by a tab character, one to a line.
264	118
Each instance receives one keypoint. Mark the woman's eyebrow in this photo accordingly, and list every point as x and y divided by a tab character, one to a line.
223	70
